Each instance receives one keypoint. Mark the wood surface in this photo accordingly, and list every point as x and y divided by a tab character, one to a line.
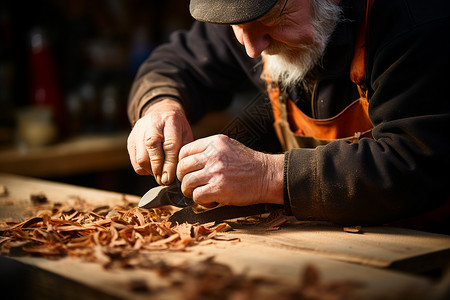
373	257
384	247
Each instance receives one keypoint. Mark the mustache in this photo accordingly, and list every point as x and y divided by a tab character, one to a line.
278	48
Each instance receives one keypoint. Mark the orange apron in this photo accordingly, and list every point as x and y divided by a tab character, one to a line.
297	130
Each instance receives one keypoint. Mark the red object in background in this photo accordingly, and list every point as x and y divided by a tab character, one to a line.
44	84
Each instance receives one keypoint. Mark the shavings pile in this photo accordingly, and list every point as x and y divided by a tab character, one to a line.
99	234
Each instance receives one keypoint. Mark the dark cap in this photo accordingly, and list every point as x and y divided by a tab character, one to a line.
229	11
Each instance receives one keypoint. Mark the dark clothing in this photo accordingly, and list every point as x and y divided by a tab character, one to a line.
402	172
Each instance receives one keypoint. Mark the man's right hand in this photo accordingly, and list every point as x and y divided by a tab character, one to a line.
156	139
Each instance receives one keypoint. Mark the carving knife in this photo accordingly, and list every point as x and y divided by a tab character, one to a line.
172	195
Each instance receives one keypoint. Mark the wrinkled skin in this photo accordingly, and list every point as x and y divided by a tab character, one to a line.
212	170
218	169
290	26
156	140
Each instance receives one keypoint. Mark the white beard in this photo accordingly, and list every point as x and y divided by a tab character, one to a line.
289	65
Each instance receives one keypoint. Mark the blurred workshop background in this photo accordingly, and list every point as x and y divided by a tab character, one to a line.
66	68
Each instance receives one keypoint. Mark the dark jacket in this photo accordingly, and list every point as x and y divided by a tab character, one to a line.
404	171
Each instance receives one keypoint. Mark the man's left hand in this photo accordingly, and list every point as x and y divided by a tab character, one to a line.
219	169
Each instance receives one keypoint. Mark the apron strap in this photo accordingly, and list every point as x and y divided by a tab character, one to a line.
358	67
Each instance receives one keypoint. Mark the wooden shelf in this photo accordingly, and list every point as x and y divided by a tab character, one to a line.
84	154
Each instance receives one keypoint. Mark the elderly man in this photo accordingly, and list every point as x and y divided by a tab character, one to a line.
361	83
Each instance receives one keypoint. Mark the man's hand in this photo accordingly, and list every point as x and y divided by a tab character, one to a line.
156	139
220	169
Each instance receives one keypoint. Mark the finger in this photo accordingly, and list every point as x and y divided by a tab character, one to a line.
192	181
205	195
209	205
138	157
171	147
195	147
154	149
131	147
190	164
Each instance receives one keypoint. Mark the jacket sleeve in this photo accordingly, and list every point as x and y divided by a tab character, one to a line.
201	68
404	170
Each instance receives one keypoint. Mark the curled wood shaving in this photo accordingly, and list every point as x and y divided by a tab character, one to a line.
276	223
100	234
273	220
3	191
353	229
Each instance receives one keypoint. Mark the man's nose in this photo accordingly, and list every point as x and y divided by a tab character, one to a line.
254	38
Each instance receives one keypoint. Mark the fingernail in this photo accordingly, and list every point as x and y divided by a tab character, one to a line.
164	178
158	179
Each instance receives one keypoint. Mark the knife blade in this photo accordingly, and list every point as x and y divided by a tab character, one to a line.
165	195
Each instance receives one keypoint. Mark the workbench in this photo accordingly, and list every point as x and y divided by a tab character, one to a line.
385	262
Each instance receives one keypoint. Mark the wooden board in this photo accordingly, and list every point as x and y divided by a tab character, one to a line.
385	247
279	256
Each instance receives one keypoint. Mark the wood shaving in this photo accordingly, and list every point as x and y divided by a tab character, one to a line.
353	229
276	223
273	216
38	198
3	191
